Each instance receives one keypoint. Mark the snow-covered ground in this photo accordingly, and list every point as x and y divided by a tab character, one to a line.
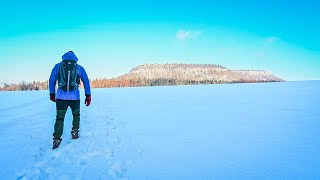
234	131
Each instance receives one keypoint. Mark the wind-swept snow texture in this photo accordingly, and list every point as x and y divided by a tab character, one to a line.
233	131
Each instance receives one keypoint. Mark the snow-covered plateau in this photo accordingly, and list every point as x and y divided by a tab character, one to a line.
226	131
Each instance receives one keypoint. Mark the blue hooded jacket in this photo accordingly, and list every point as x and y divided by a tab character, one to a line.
72	95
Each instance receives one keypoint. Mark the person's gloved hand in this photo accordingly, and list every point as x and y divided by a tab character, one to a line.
53	97
88	100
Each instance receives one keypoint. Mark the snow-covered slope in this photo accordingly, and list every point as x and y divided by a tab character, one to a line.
234	131
184	73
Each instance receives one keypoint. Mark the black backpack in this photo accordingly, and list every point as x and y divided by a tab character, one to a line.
68	78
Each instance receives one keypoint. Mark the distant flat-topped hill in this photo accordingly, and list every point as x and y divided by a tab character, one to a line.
167	74
185	74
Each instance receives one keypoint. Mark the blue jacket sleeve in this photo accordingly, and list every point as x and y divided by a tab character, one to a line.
53	79
85	80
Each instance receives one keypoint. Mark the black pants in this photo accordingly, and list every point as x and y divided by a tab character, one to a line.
62	106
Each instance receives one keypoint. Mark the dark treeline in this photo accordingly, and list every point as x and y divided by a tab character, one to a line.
113	83
24	86
139	82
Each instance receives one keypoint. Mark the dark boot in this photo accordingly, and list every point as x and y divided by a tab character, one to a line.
56	143
75	134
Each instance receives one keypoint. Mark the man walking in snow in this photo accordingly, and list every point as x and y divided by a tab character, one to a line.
68	74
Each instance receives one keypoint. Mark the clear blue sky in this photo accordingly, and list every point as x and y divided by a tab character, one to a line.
111	37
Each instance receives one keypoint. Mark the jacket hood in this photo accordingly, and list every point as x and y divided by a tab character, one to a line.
69	56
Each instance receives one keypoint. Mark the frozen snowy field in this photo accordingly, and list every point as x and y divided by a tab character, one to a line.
235	131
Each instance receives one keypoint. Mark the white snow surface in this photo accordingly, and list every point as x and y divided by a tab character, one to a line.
231	131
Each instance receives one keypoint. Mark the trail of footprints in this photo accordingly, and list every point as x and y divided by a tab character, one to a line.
96	140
